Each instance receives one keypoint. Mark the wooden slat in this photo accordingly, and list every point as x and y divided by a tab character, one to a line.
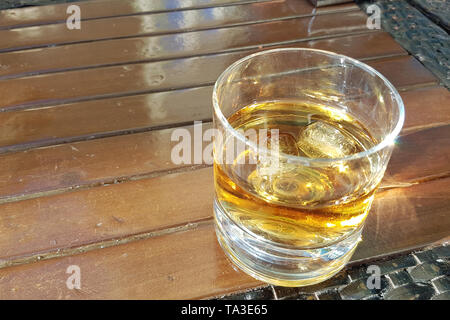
83	217
406	218
149	110
78	121
164	23
156	76
95	9
426	108
21	17
149	76
97	214
104	53
191	264
86	163
168	46
408	72
420	155
177	255
90	162
198	268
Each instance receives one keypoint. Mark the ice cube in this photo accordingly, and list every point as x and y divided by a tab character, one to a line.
321	140
286	144
290	184
278	144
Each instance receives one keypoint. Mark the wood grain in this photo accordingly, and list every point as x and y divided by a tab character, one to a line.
55	123
81	120
157	76
88	216
420	155
146	49
403	219
105	160
114	211
139	226
96	9
426	108
191	264
172	22
197	268
102	8
93	162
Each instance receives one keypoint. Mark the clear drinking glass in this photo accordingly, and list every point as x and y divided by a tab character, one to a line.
303	138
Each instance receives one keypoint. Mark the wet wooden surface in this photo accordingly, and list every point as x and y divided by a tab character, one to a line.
86	119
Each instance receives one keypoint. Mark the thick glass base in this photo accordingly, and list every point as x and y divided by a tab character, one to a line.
278	265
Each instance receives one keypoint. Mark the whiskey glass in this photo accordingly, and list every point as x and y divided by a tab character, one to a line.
303	138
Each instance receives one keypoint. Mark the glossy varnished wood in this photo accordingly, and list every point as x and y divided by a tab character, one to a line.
103	160
426	108
122	51
164	201
190	264
200	269
419	156
149	110
96	9
156	76
99	214
164	23
86	176
406	218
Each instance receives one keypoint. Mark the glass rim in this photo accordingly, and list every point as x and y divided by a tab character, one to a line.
387	140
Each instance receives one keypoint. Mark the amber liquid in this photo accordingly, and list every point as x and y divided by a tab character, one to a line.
294	204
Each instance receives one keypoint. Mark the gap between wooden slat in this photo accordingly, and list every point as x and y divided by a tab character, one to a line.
260	46
317	11
84	8
190	225
94	136
190	264
192	43
36	91
15	261
341	46
386	185
109	133
112	213
88	179
350	17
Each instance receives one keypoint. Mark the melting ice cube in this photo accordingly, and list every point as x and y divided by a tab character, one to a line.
321	140
286	144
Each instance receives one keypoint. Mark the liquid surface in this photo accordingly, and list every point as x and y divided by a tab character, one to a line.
291	203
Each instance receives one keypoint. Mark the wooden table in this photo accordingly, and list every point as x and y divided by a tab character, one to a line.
86	119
